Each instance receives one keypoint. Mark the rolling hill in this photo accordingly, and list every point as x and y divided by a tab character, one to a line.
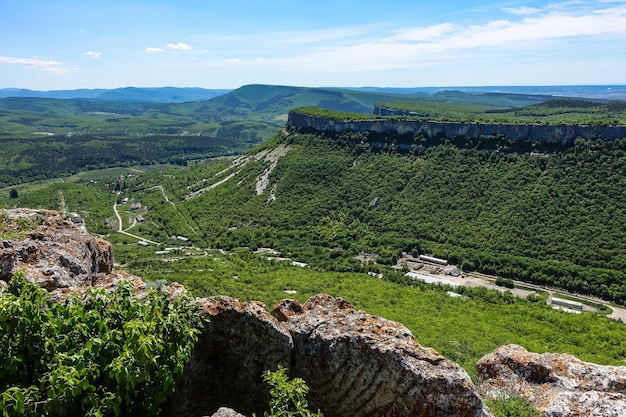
48	137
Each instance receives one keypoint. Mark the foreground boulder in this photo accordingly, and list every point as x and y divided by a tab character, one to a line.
51	251
356	364
364	366
558	385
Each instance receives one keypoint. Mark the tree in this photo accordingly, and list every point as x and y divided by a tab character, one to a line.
13	193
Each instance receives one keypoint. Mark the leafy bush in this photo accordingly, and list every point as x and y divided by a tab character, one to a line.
505	282
107	354
288	395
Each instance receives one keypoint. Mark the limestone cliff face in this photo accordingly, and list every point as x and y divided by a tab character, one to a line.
561	134
558	385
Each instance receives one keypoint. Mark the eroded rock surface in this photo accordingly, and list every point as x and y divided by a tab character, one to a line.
557	384
239	344
356	364
361	365
53	252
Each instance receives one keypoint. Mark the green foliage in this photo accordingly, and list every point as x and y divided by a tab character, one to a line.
512	407
16	229
288	395
334	114
505	282
103	355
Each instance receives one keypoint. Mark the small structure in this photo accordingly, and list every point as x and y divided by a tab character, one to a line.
143	243
140	218
182	238
452	271
78	221
430	279
433	260
568	304
135	206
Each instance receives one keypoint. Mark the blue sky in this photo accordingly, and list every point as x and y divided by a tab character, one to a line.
68	44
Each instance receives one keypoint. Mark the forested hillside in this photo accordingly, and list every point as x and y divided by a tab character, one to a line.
556	219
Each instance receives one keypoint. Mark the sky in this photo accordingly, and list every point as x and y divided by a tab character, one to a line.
70	44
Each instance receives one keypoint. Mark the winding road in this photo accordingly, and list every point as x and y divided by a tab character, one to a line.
120	228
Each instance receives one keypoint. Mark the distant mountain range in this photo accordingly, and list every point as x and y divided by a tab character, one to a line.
151	95
183	95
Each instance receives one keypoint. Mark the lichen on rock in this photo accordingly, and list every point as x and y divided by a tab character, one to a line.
557	384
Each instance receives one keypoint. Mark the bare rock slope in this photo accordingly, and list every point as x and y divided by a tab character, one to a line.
355	364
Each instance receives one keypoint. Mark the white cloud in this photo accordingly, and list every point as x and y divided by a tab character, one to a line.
35	63
522	10
93	54
150	50
557	26
233	60
423	34
180	46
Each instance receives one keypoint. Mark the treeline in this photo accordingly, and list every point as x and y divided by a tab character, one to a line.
553	111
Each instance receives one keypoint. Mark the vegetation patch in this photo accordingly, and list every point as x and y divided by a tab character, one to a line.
104	355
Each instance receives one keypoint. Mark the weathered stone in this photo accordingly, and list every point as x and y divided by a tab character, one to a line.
557	384
355	364
360	365
55	254
241	342
226	412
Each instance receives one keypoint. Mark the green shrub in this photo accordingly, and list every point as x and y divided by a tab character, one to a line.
288	395
108	354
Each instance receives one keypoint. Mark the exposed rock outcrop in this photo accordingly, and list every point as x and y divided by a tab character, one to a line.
560	134
226	412
558	385
355	364
53	252
361	365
